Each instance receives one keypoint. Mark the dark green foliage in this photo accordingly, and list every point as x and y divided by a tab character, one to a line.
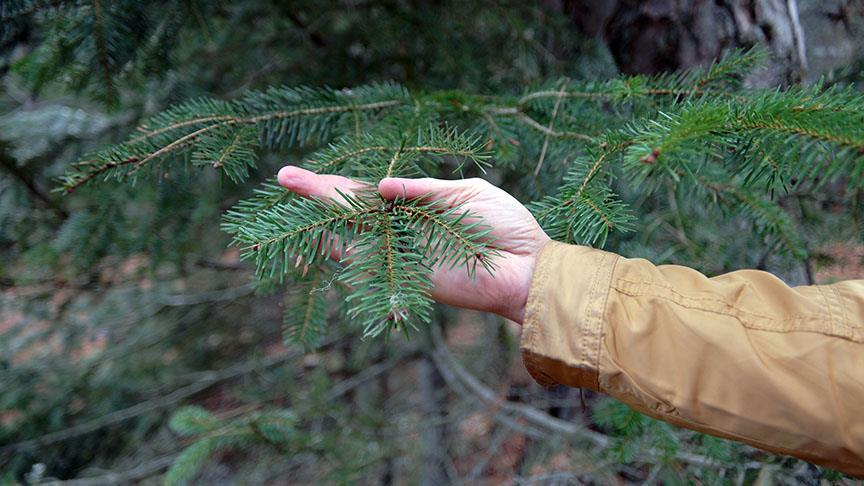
271	428
389	264
693	130
585	209
94	45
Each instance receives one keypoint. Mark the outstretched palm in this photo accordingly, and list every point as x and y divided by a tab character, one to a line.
518	237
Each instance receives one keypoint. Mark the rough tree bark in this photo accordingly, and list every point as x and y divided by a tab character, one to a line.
652	36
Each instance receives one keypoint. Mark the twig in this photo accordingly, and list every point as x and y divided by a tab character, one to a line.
217	265
797	33
453	371
205	297
491	452
368	374
551	129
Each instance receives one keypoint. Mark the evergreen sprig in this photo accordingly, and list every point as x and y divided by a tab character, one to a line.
585	209
305	318
390	247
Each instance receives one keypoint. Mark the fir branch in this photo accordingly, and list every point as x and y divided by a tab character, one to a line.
822	135
235	158
551	125
585	210
305	229
721	74
769	219
392	281
463	242
393	160
311	114
376	155
268	195
730	70
579	178
390	260
520	116
305	317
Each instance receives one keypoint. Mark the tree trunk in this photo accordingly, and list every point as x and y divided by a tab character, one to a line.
663	35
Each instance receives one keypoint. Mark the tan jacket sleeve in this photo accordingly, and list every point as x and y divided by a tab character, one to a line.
741	356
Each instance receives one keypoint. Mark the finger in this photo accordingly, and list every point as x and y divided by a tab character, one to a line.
392	187
310	184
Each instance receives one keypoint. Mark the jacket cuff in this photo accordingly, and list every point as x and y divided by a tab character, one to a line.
565	315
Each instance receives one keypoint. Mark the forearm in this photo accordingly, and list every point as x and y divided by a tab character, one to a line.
741	355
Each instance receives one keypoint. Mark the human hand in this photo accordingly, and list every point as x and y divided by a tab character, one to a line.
518	237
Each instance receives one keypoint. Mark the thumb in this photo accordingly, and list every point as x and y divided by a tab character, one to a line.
393	187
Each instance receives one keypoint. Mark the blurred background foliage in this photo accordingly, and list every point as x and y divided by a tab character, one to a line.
120	305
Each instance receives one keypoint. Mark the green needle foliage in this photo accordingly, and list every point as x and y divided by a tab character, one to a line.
389	262
96	45
211	435
700	133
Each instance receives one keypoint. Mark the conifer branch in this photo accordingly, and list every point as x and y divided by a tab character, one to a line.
367	157
267	196
305	316
694	126
778	126
727	71
391	279
769	219
522	117
466	243
310	311
392	164
183	127
390	261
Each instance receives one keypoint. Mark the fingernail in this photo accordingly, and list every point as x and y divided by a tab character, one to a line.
287	173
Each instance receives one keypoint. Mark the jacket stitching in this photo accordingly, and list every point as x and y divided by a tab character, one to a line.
839	300
601	317
630	287
792	323
588	326
827	305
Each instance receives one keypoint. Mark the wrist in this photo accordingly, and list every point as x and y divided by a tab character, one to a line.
515	303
